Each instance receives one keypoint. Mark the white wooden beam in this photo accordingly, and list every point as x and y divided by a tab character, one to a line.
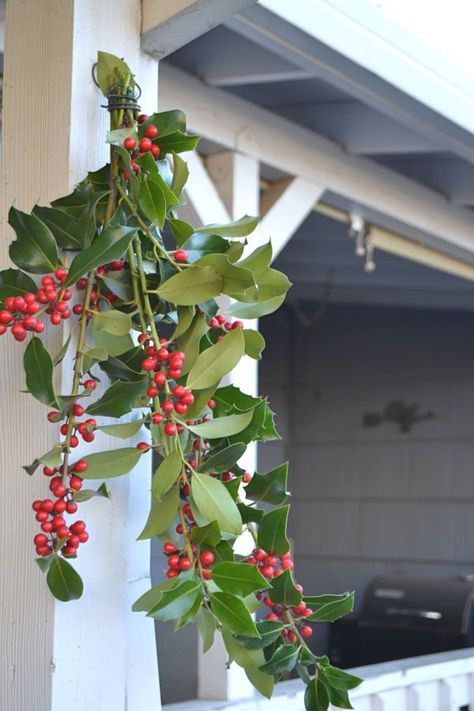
203	194
239	125
80	655
289	212
168	26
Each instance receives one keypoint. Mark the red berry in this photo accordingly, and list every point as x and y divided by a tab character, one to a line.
207	558
172	572
159	378
267	571
6	317
181	255
170	429
39	328
145	144
271	617
306	631
299	609
60	490
129	143
142	118
63	532
173	560
80	466
42	516
169	547
90	384
184	563
167	406
143	445
18	332
151	131
47	527
75	483
155	151
206	574
259	554
157	418
83	537
77	410
48	505
148	364
59	506
247	477
71	507
152	391
287	564
40	539
88	436
37	505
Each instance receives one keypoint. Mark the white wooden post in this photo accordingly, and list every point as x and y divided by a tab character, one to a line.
80	655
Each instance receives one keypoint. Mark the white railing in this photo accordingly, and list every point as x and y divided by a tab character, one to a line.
436	682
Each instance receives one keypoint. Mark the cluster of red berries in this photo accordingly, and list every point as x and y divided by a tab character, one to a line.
20	312
145	144
115	266
179	561
220	324
163	366
268	564
84	429
56	533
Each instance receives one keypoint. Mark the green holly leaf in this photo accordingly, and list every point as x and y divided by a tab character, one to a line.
235	280
269	632
262	682
151	597
232	614
283	660
209	535
225	426
113	71
239	578
328	608
86	494
166	475
123	431
206	624
35	248
39	368
191	286
269	487
13	282
51	459
217	361
223	460
162	514
174	603
112	244
272	531
115	322
190	341
118	399
257	310
119	283
239	228
125	366
284	591
181	230
254	343
63	581
64	227
152	201
180	175
214	503
115	462
202	245
316	697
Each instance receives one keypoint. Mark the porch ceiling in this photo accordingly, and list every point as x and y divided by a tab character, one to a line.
255	57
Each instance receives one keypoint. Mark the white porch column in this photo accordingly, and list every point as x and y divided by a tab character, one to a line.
85	654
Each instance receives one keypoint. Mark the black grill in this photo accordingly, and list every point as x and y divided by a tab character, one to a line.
406	616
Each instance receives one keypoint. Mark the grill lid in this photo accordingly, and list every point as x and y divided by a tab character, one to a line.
442	603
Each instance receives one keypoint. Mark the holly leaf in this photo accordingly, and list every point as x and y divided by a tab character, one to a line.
166	475
113	71
269	632
284	591
255	310
225	426
206	624
123	431
254	343
190	342
35	248
262	682
176	602
269	487
239	578
214	503
223	460
63	226
111	244
39	368
63	581
115	322
209	535
118	399
180	175
217	361
239	228
86	494
13	282
151	597
328	608
51	459
316	697
162	514
151	201
115	462
283	660
272	531
192	286
232	614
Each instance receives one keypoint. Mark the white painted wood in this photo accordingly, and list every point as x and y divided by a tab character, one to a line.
239	125
168	26
202	193
83	654
288	213
417	684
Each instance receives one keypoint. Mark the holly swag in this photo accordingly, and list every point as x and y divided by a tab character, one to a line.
142	292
